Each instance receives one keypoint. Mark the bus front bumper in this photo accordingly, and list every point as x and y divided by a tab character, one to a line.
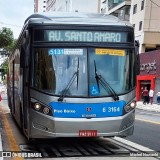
43	126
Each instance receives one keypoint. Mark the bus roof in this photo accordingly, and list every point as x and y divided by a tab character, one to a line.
75	18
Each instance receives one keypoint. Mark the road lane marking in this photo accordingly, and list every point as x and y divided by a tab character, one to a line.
132	144
145	120
11	139
148	113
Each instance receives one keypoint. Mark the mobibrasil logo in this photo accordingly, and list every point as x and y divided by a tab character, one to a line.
88	109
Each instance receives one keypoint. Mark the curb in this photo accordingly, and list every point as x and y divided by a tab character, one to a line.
146	109
1	149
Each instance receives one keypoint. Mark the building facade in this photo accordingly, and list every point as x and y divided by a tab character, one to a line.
146	20
118	8
143	14
90	6
149	73
50	5
39	6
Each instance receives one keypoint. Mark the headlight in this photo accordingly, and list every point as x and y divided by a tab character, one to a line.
129	107
133	104
41	108
37	106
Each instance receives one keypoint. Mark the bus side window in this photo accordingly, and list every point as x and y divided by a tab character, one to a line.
22	57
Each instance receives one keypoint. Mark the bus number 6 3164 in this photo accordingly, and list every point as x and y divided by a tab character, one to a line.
113	109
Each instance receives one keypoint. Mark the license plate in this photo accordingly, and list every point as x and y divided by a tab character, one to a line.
88	133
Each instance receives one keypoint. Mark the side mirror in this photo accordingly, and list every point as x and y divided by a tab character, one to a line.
137	57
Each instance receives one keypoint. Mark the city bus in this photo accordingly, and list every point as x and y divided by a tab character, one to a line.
74	75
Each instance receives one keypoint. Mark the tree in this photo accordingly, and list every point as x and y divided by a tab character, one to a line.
6	44
6	39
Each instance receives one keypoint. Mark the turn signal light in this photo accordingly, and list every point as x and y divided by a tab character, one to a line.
46	110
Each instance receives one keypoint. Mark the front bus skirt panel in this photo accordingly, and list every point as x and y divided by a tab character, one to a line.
43	126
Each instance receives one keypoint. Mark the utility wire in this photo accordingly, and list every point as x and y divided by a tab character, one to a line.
155	3
10	24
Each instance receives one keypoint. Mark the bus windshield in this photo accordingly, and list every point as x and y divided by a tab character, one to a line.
53	68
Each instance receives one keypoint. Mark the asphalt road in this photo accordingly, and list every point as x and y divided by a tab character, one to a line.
147	129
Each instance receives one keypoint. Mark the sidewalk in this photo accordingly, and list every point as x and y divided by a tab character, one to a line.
149	107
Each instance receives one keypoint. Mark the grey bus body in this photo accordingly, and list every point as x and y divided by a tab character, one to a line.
73	75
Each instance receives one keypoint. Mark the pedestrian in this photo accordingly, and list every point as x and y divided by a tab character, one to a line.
145	95
158	97
151	93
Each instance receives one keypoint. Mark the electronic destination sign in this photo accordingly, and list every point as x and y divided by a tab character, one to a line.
84	36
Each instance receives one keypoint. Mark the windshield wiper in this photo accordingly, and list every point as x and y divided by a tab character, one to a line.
75	74
104	84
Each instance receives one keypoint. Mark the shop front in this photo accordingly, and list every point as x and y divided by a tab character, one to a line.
149	73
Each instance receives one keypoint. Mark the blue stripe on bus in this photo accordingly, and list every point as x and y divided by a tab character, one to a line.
87	110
